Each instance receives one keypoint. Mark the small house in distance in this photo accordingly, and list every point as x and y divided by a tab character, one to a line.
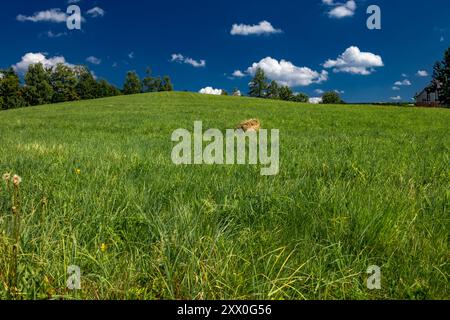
428	98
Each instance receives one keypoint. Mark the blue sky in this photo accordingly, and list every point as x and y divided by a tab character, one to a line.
311	45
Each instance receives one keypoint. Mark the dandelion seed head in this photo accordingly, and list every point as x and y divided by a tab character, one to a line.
7	177
17	180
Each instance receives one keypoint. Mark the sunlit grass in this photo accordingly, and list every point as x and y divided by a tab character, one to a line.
358	186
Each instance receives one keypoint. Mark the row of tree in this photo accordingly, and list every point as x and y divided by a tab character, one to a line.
133	84
43	85
61	83
260	87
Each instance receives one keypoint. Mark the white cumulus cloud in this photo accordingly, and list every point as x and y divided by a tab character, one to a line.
319	91
33	58
339	10
94	60
422	73
96	12
211	90
355	62
51	34
177	57
404	82
264	27
396	98
315	100
238	74
286	73
52	15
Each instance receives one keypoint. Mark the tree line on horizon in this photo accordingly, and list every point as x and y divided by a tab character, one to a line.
62	83
261	87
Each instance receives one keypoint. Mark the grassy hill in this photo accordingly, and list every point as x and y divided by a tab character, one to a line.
358	186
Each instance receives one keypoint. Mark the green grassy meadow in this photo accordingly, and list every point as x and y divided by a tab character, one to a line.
358	186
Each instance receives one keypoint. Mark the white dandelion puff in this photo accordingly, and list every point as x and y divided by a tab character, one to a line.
17	180
7	177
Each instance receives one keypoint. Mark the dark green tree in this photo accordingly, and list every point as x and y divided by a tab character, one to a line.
64	81
158	84
132	83
258	85
37	88
300	97
441	79
149	84
167	84
105	89
285	93
11	94
331	98
273	90
86	87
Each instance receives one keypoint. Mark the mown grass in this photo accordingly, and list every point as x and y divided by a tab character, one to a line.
358	186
